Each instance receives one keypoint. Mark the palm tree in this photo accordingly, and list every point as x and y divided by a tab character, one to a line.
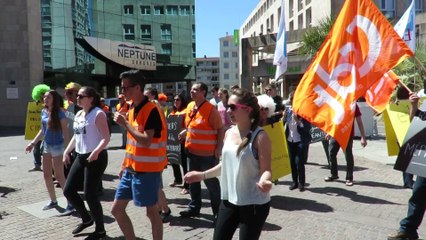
315	36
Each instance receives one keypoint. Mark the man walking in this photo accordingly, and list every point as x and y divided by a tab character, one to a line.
204	141
417	203
145	157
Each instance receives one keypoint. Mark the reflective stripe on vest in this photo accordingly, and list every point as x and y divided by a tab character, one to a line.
143	158
200	135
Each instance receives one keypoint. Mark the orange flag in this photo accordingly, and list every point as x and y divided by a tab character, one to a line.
379	94
359	49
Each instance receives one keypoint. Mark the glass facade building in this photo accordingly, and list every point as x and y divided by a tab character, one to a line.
168	25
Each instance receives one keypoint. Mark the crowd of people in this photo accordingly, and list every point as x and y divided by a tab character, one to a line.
222	137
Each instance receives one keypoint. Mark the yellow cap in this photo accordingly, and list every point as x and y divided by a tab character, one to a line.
73	85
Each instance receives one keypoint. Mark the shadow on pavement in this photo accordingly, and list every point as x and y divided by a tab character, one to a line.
204	221
332	191
6	190
378	184
121	238
295	204
109	177
107	195
11	131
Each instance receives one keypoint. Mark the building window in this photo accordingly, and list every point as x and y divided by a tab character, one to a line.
146	31
184	10
166	32
236	76
299	5
226	65
128	9
236	65
308	18
225	43
226	54
261	28
172	10
234	54
419	6
226	76
145	10
388	8
193	32
214	63
129	31
194	50
307	2
271	28
300	21
291	26
158	10
290	9
166	49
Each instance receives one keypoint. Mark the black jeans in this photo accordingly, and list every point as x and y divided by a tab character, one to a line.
250	219
297	154
92	174
200	163
176	168
334	149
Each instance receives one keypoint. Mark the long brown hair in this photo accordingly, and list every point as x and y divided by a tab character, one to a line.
248	98
57	105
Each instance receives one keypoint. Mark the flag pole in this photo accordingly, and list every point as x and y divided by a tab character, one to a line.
405	86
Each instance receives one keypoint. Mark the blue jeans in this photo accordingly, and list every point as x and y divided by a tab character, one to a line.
37	152
200	163
416	208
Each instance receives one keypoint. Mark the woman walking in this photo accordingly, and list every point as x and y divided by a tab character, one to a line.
91	136
245	171
55	132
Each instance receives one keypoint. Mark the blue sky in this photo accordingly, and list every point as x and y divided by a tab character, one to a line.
213	20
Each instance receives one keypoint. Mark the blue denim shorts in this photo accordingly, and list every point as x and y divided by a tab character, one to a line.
54	150
142	188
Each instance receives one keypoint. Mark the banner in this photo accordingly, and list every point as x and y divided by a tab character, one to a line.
280	159
33	121
412	155
391	140
359	49
317	135
174	127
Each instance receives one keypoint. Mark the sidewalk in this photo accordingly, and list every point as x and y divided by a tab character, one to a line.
371	209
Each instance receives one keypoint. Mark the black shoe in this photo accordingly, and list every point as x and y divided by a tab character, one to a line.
80	227
189	213
96	235
165	216
301	188
403	236
331	178
36	168
293	186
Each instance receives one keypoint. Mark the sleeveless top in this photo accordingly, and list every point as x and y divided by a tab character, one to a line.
241	173
86	133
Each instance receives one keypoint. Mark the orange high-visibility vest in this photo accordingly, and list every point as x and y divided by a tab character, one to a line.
142	158
122	108
200	135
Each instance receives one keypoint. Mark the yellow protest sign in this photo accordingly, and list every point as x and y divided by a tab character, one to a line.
33	121
391	140
399	116
280	160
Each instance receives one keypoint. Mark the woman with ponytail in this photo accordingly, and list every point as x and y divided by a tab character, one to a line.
245	171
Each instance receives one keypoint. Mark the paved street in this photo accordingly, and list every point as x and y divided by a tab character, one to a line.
370	209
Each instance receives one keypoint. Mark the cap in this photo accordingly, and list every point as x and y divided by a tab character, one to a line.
102	99
120	96
73	85
162	97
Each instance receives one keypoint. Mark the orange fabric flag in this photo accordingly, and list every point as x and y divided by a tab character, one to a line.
379	94
359	49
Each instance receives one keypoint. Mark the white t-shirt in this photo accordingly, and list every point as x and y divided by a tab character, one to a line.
86	134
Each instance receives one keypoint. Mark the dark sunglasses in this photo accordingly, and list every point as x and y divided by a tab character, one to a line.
127	88
236	106
81	96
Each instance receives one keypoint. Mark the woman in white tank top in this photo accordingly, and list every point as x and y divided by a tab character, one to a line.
245	171
91	136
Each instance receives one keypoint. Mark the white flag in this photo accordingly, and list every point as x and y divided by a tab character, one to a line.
406	26
280	55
